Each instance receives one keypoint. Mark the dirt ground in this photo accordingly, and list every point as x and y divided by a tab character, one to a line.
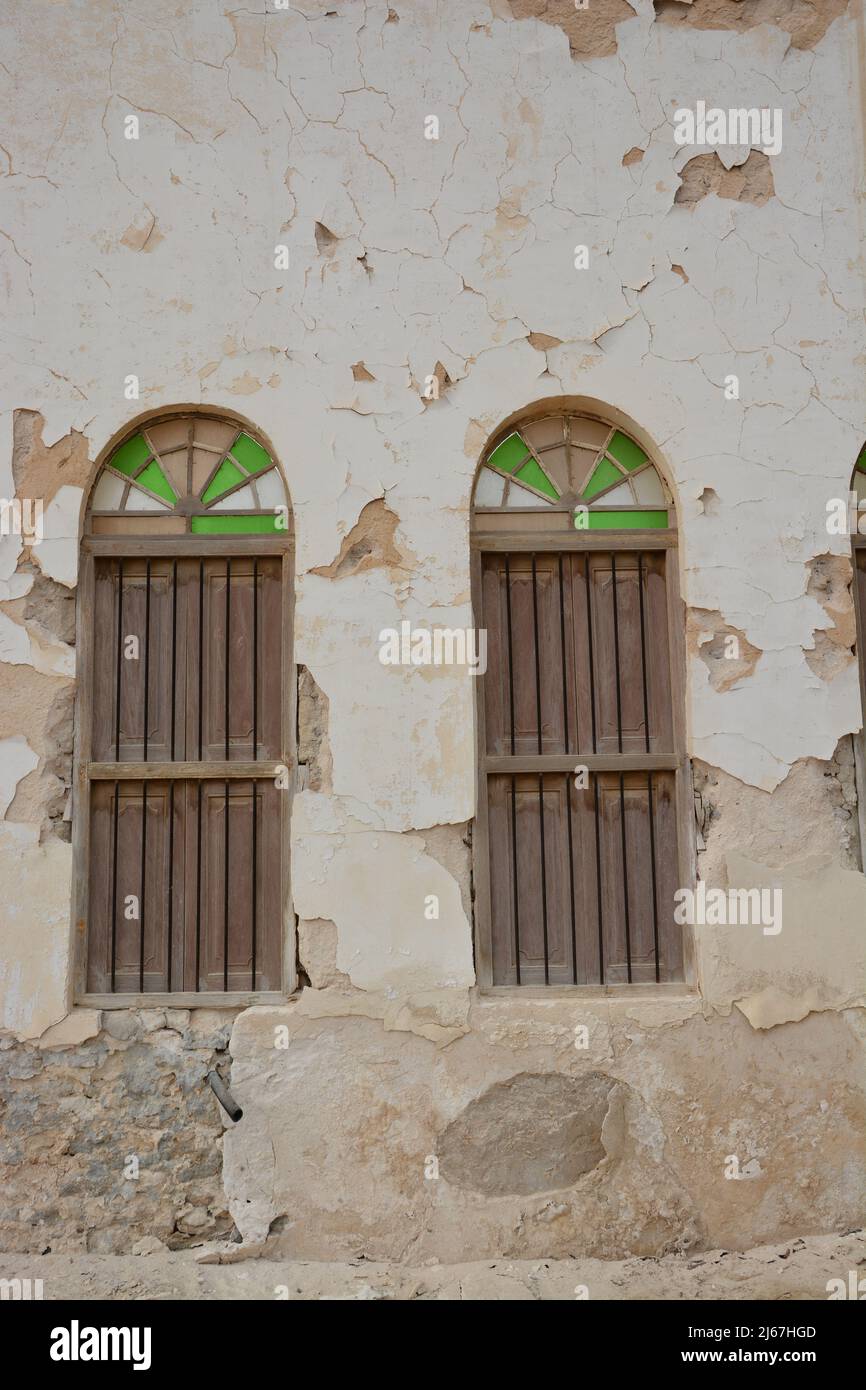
798	1269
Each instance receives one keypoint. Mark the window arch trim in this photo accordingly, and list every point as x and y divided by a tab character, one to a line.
139	546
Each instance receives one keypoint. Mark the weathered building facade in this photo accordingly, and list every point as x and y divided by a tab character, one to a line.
331	328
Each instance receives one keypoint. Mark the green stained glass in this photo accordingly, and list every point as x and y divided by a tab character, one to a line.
155	480
250	455
225	477
625	451
130	455
509	454
626	521
603	475
220	523
533	476
861	461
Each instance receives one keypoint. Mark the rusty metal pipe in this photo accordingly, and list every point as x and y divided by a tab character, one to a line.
224	1096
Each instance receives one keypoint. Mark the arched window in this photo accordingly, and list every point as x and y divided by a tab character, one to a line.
184	738
579	844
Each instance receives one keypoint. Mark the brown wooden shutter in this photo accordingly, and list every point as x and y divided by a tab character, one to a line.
185	743
581	882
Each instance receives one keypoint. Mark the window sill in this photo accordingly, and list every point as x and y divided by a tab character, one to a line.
213	1000
670	991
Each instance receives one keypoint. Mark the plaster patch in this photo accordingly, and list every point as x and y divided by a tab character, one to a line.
35	962
40	469
591	32
806	23
17	759
376	888
33	646
57	554
76	1028
727	653
314	753
830	583
749	182
532	1133
369	545
818	959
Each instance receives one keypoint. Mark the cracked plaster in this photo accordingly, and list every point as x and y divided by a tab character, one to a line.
454	257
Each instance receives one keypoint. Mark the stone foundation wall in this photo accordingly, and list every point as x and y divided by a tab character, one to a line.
110	1135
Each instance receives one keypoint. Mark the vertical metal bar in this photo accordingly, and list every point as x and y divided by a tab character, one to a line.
255	877
643	651
513	779
197	985
170	904
114	888
143	893
190	443
537	645
589	638
568	786
118	680
146	655
119	662
228	646
562	643
173	655
226	816
625	875
200	668
616	651
598	880
649	787
255	658
510	647
514	875
543	877
226	894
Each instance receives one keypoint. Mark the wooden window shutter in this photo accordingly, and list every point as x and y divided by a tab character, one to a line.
186	754
579	757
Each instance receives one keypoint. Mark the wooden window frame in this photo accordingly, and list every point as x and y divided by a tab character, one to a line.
84	770
554	538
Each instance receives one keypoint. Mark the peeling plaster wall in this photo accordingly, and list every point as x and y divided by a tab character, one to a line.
453	259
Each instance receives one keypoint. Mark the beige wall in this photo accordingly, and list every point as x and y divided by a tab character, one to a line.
411	257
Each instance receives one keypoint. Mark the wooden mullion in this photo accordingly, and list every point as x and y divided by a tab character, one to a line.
219	463
520	763
246	480
513	541
183	771
218	546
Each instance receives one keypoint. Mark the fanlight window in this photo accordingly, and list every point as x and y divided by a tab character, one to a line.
195	474
570	461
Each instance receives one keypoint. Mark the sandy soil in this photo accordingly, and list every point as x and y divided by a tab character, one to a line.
798	1269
